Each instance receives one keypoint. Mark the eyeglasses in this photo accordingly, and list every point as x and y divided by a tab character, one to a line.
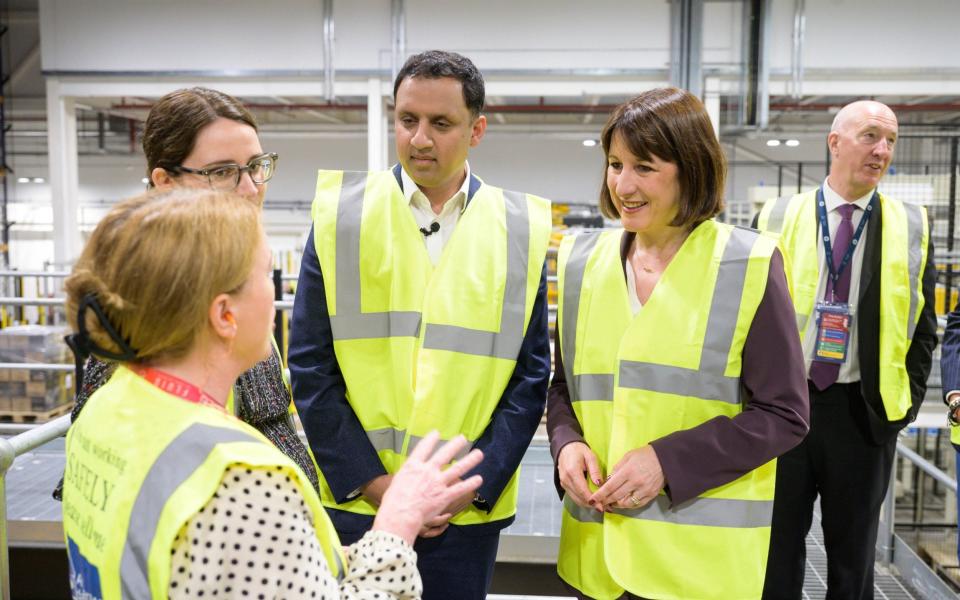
227	177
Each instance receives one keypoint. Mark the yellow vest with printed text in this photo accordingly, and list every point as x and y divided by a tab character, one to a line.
424	347
140	464
903	254
634	379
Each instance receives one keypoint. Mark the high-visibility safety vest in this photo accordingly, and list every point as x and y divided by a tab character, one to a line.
904	236
634	379
140	464
955	435
423	347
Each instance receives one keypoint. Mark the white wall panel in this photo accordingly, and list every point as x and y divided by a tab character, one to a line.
561	34
172	35
875	35
138	35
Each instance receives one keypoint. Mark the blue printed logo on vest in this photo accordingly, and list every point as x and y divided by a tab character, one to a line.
84	577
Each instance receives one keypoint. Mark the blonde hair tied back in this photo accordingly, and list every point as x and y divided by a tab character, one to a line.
156	262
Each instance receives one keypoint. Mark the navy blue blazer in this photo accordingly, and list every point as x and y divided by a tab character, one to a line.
950	353
337	439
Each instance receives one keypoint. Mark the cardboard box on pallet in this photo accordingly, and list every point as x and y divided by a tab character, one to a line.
29	389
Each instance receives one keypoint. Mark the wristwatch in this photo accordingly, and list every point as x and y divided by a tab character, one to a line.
480	503
952	407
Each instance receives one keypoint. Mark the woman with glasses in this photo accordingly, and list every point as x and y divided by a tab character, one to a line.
167	495
202	138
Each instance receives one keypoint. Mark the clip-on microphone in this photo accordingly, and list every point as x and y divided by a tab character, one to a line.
434	227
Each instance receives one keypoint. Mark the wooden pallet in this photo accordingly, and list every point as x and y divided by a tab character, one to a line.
30	416
942	556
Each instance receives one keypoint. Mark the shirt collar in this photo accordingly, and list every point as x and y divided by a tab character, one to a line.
416	197
834	200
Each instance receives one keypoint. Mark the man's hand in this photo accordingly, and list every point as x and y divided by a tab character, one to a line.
373	490
439	524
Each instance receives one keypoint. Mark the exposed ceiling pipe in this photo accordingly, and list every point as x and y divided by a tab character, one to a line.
329	73
833	106
553	108
796	58
686	45
755	97
398	36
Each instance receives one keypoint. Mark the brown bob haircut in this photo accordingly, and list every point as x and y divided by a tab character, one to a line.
672	125
176	120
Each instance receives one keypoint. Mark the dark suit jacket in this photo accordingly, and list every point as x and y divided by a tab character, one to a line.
337	439
872	416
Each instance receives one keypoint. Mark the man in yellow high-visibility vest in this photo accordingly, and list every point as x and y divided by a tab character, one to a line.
421	305
861	273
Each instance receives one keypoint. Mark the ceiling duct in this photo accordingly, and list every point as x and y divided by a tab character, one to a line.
686	45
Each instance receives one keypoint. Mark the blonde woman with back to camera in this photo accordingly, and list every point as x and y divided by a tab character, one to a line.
168	495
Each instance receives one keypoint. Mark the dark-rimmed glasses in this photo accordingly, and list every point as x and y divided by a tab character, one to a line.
227	177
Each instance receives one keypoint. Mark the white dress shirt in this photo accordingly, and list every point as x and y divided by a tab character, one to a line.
850	369
424	216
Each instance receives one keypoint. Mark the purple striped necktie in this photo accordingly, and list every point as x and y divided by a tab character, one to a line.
824	374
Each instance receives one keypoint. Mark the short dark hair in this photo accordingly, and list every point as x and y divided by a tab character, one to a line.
174	122
434	64
673	125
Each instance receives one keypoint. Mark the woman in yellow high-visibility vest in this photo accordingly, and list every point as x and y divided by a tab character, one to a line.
166	493
203	138
679	373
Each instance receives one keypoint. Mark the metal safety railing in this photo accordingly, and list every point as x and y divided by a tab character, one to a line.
892	549
10	449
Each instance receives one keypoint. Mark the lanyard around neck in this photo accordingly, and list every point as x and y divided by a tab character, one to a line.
175	386
836	270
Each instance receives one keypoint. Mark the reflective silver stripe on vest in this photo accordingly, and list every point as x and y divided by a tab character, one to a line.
178	461
777	213
585	386
416	439
596	386
914	261
387	438
708	381
505	343
708	512
349	323
579	513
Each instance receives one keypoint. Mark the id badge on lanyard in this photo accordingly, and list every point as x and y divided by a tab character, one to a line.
834	318
833	332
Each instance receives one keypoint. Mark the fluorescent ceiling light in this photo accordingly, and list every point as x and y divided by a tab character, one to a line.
589	143
773	143
38	179
793	143
23	180
144	181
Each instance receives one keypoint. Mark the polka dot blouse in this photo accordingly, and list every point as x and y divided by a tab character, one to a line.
255	539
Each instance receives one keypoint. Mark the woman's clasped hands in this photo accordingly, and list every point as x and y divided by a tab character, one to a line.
633	482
